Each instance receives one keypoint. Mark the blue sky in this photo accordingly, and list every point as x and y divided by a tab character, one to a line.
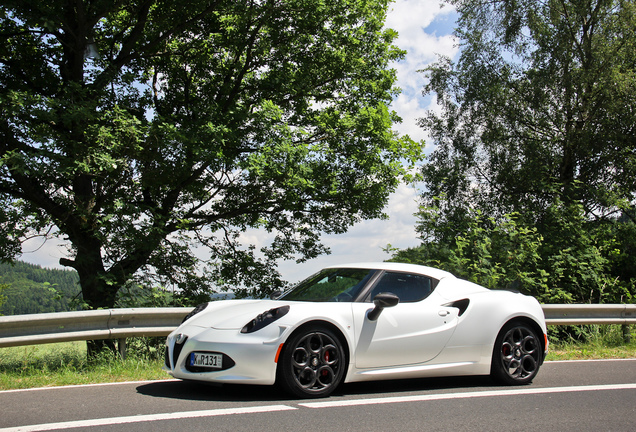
424	32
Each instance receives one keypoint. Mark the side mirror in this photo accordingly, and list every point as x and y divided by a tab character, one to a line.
275	295
381	301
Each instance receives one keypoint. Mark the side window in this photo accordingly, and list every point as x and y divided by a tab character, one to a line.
408	287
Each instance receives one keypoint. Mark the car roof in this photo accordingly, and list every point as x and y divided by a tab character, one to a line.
401	267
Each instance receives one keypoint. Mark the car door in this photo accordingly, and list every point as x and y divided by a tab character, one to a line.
414	331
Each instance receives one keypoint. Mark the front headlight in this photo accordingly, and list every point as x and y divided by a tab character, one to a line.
265	319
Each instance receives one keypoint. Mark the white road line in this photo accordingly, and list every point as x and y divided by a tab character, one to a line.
430	397
590	360
147	418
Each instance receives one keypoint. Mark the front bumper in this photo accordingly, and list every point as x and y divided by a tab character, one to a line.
247	358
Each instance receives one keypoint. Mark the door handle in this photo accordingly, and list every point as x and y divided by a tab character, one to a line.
443	313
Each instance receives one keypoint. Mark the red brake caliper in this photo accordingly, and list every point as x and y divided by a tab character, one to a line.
324	372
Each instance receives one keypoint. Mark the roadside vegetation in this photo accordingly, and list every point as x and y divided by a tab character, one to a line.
32	289
62	364
529	185
66	363
591	342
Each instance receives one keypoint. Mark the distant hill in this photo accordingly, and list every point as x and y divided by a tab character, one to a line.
34	289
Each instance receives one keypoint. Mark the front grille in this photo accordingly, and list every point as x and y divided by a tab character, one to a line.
176	351
166	358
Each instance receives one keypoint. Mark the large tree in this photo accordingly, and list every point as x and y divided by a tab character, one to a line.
538	124
138	130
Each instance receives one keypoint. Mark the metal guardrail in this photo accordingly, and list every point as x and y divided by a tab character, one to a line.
35	329
120	324
577	314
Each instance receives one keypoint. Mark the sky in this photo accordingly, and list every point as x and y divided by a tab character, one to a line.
424	30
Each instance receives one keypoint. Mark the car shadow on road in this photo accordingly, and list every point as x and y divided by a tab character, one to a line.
197	391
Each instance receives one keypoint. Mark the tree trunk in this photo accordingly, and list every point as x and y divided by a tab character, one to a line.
99	291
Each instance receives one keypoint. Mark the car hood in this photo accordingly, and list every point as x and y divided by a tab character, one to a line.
232	314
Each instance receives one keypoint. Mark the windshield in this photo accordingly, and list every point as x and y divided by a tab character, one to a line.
339	285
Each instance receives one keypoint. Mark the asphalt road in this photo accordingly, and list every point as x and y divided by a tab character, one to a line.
565	396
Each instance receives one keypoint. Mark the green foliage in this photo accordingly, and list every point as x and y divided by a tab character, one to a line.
507	254
2	297
29	289
536	122
591	337
195	122
136	296
495	254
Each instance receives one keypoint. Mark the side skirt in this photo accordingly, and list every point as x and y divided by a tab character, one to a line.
418	371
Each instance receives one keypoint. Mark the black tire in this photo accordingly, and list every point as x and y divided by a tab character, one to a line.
517	354
312	363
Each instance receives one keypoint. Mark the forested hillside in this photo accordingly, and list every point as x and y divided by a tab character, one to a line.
33	289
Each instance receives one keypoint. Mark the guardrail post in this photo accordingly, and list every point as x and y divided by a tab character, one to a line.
627	334
121	347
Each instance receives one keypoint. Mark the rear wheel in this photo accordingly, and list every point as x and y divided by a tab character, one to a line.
517	354
312	363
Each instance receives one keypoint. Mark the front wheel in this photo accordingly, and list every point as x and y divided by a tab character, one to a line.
312	363
517	354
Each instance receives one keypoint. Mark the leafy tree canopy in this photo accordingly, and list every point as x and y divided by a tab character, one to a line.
538	127
140	129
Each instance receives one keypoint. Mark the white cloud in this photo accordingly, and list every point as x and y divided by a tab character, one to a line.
44	253
409	109
364	241
424	30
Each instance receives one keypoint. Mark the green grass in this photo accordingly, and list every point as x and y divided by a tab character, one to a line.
66	364
591	342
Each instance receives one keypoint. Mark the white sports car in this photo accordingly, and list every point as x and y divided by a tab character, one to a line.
362	322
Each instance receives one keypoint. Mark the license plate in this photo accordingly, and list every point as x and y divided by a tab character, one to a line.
214	361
